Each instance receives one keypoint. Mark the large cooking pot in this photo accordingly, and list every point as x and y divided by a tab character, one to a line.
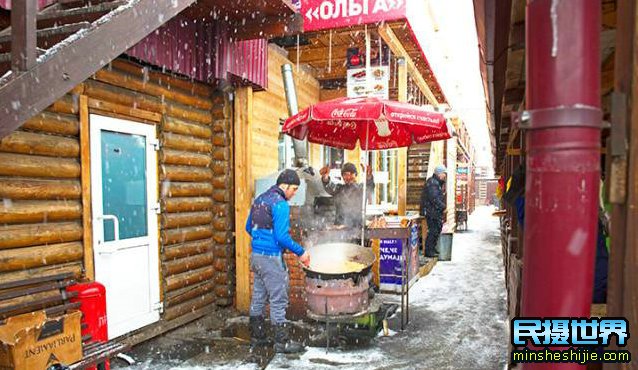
328	261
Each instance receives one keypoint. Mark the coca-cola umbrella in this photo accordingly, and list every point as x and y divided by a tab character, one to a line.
374	123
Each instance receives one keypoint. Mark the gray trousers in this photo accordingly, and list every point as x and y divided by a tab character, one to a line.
271	284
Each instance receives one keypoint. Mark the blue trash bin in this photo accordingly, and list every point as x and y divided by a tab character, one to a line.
445	247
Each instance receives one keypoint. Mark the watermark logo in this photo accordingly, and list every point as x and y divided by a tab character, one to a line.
582	340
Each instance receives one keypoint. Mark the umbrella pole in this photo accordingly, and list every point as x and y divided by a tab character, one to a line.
365	188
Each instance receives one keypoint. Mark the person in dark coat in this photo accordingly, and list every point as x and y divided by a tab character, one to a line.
348	197
269	226
433	207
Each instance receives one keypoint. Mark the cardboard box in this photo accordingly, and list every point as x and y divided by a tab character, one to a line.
34	342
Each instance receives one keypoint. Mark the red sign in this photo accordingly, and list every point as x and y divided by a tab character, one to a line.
324	14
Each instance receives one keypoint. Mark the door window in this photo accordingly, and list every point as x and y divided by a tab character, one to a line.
124	184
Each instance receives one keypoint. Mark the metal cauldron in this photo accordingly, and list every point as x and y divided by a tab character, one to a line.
331	291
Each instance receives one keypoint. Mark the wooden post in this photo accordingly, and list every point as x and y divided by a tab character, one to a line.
23	42
402	153
85	163
622	298
243	192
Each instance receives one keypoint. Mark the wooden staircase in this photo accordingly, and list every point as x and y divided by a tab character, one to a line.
45	53
418	165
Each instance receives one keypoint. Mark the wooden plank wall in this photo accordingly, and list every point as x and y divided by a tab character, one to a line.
270	105
41	214
265	109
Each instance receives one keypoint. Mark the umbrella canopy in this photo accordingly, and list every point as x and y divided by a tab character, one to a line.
387	124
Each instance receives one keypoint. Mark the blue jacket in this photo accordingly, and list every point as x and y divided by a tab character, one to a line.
269	224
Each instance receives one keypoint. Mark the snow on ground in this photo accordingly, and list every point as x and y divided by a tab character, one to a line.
457	313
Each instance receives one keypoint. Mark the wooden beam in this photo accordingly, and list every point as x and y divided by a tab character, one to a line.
268	27
514	151
85	163
77	61
607	75
23	41
630	301
402	157
123	110
46	33
514	96
517	36
319	55
390	38
622	257
609	13
243	193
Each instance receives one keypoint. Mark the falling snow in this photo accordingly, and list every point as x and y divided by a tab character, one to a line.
457	321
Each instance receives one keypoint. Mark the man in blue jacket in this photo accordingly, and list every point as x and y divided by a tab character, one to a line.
269	226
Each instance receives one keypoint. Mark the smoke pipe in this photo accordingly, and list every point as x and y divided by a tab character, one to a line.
299	146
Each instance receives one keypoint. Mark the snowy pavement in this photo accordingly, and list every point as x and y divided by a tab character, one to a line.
458	320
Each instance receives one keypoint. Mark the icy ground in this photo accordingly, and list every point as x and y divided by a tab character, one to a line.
458	320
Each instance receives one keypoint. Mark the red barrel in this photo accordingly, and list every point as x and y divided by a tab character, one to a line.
92	298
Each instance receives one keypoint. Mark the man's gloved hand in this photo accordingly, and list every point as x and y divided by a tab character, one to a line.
324	172
305	259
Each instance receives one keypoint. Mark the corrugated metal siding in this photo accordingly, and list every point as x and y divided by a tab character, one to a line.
204	51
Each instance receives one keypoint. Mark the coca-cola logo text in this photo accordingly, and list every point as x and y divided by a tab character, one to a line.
344	113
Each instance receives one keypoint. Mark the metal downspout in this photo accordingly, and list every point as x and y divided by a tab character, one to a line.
563	162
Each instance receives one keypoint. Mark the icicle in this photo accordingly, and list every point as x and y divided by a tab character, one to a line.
368	69
395	72
298	53
380	53
330	51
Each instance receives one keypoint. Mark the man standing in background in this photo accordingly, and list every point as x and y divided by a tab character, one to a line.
433	207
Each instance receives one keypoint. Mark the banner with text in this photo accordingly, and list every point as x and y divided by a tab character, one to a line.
325	14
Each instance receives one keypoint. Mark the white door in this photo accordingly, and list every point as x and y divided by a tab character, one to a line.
125	240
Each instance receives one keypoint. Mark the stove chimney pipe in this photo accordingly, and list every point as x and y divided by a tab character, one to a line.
299	146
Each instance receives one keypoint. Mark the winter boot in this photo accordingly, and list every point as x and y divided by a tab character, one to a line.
258	336
283	343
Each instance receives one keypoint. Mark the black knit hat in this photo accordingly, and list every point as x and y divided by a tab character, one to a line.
349	167
288	177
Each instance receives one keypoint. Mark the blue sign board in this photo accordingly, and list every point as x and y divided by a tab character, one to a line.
391	260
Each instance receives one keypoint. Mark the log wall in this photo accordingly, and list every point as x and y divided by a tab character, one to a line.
41	210
40	194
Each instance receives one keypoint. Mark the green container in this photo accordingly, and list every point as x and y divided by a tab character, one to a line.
445	247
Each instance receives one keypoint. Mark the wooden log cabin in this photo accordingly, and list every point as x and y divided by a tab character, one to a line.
170	147
127	178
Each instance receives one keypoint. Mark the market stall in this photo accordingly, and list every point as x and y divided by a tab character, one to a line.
395	242
372	124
